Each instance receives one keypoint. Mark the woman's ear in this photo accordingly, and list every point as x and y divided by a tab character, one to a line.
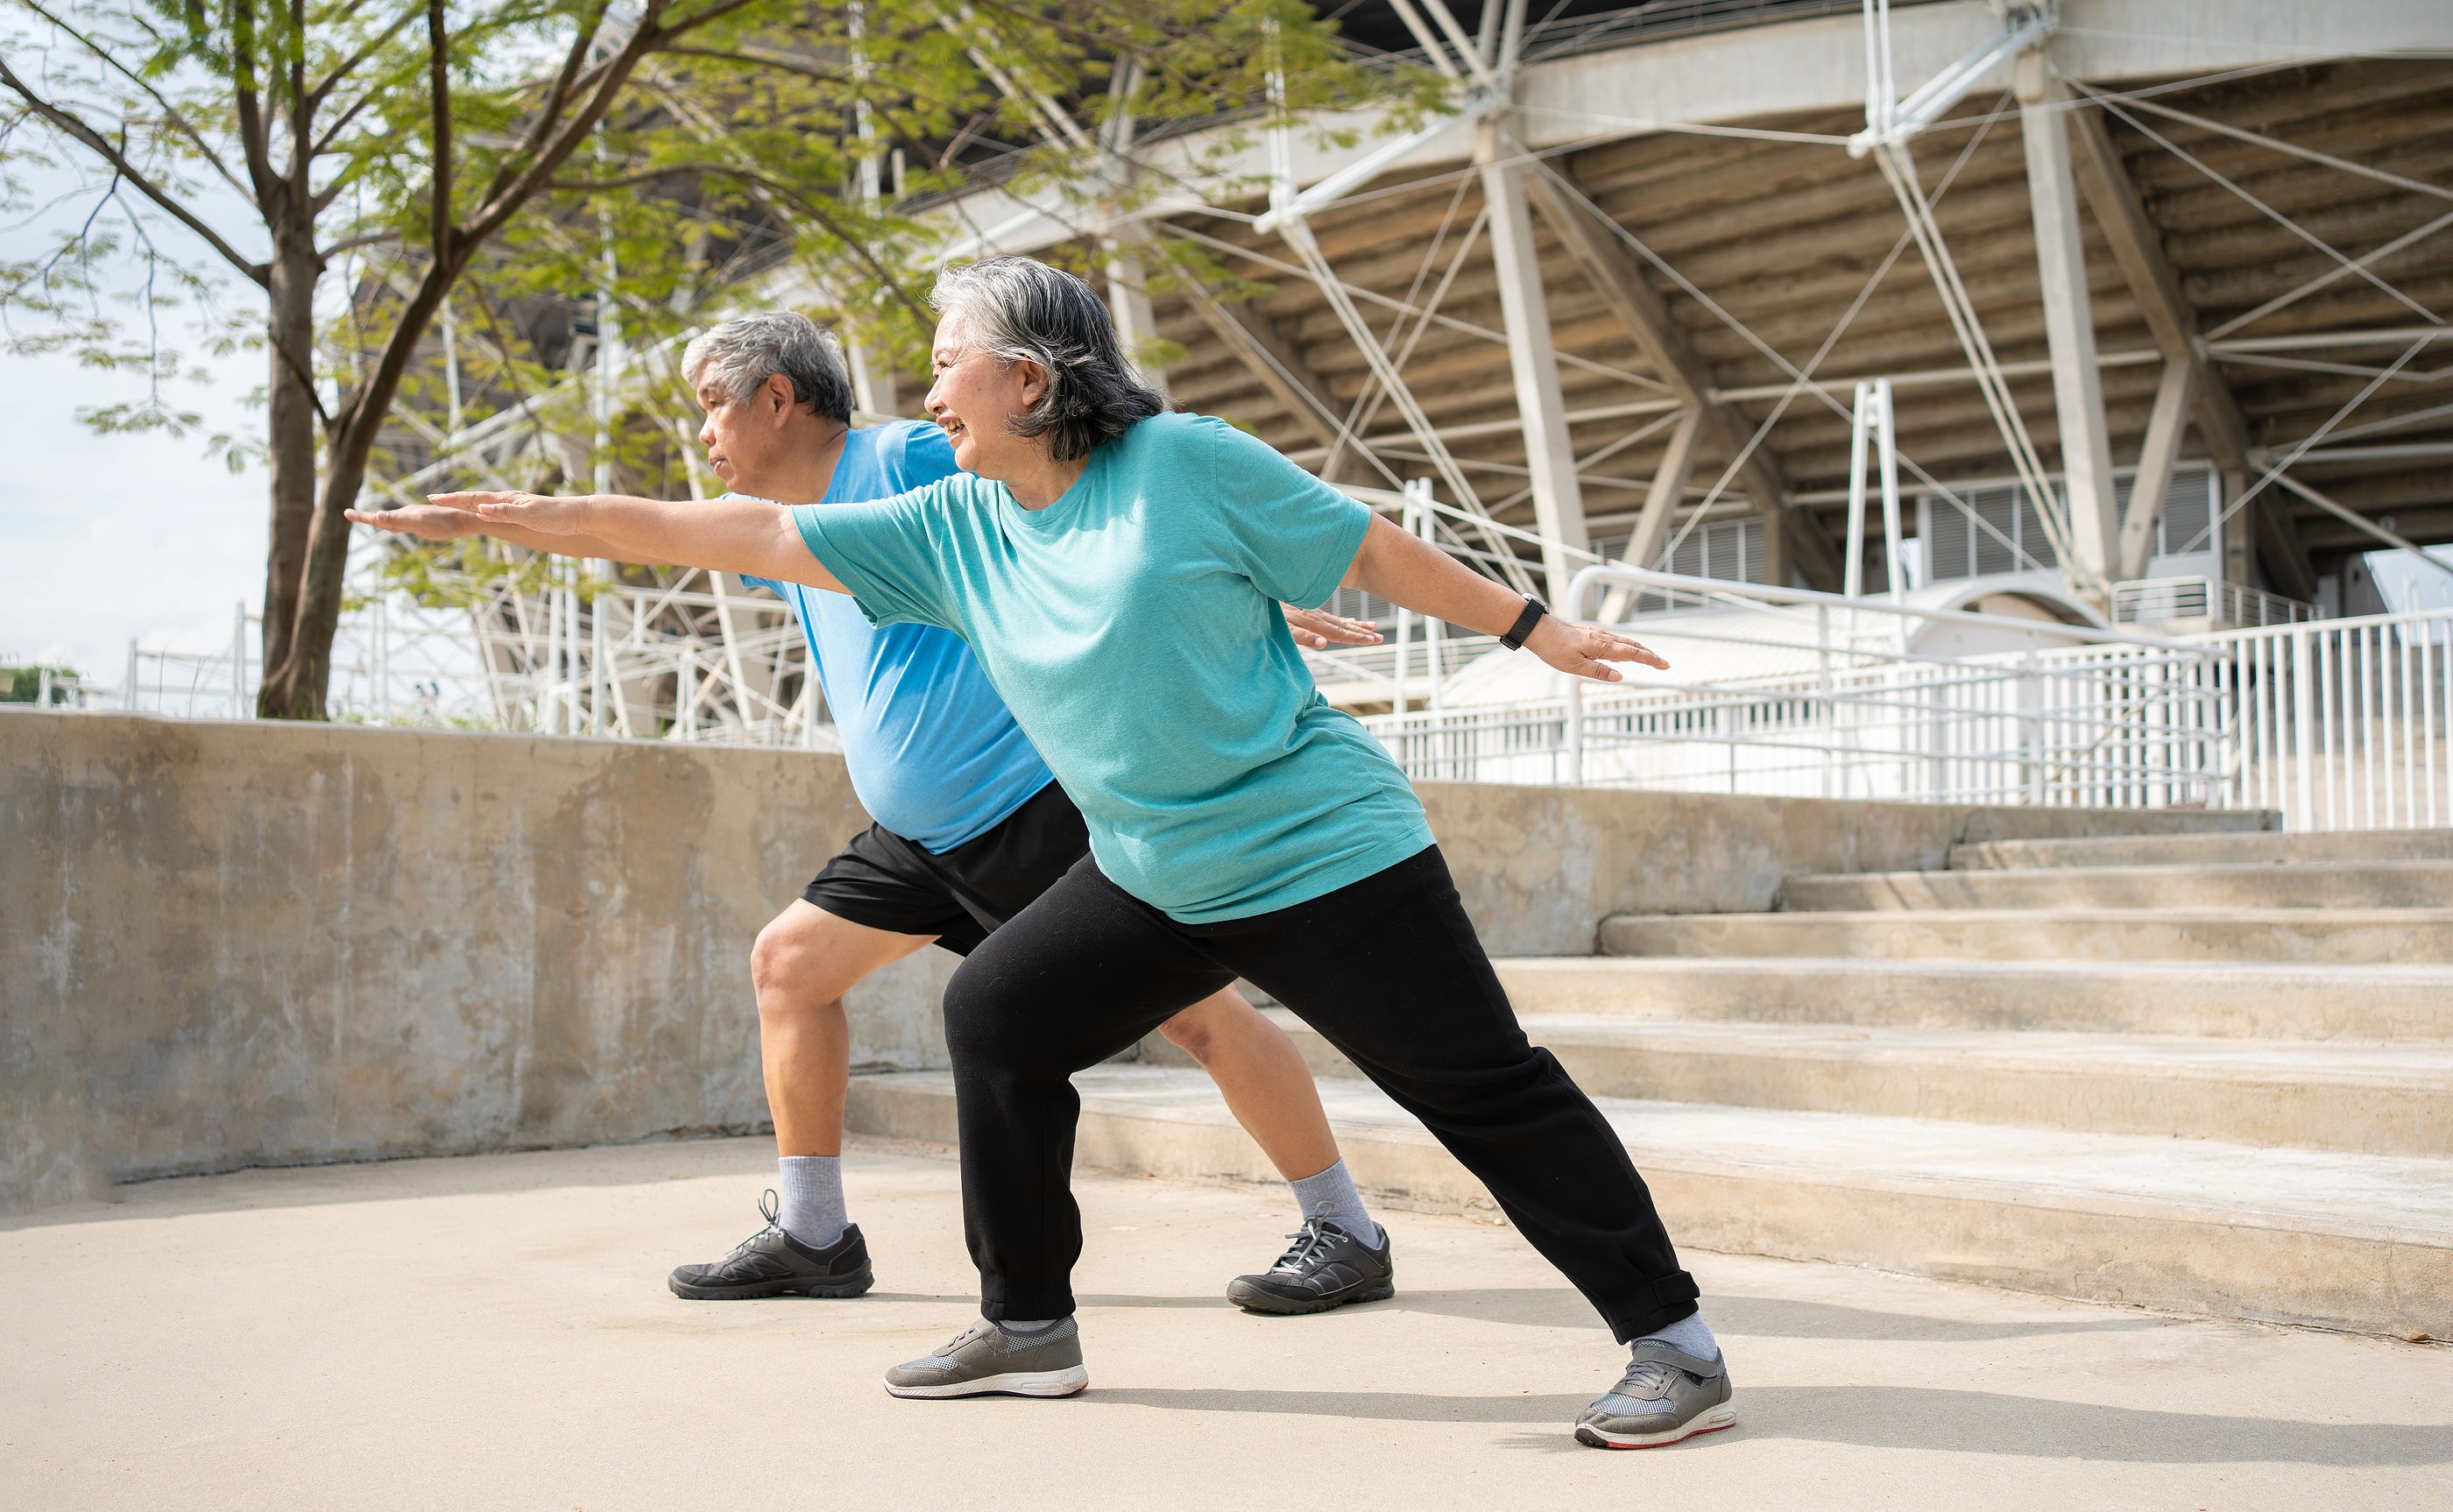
1032	380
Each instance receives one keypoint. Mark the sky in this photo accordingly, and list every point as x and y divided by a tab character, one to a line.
104	538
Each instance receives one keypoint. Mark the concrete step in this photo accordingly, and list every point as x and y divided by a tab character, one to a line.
2329	885
2356	1242
2373	1003
2258	847
2307	936
2373	1099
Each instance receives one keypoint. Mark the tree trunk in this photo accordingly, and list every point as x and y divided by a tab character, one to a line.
292	446
297	687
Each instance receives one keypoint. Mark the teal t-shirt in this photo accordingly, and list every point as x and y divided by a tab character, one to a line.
1132	627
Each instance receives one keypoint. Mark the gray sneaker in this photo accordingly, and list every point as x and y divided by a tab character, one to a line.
772	1263
984	1359
1666	1394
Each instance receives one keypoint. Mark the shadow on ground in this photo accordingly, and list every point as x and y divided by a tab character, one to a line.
1749	1317
1891	1418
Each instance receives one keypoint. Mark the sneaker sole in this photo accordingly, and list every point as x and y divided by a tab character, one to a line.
1016	1383
1255	1299
849	1286
1723	1415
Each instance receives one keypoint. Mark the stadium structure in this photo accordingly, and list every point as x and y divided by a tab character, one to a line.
1984	400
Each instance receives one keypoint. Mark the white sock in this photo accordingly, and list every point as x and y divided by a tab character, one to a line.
812	1198
1691	1334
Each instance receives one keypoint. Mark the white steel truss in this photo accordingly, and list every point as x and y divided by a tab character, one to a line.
694	658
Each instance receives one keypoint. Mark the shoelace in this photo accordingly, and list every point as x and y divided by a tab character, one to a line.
1647	1381
1311	1243
974	1331
770	1210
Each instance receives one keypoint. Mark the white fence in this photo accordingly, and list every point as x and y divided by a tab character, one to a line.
2339	724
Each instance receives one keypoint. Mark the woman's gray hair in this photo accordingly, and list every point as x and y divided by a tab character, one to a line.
740	355
1022	311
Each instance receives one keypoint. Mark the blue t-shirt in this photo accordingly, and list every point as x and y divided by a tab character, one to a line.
933	754
1132	627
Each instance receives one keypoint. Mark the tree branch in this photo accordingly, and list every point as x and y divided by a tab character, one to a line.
331	81
251	136
101	146
556	96
169	112
438	41
782	190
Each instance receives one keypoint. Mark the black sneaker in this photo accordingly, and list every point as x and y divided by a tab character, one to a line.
1324	1267
772	1263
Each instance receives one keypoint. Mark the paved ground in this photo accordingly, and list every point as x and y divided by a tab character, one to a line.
494	1332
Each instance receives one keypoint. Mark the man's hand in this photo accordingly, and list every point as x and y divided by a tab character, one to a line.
1314	629
424	521
533	512
1584	650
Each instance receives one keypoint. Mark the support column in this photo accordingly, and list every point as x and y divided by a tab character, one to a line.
1128	305
1558	496
2069	324
873	382
2155	459
1660	507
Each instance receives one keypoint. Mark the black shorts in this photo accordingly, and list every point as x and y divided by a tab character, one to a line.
885	882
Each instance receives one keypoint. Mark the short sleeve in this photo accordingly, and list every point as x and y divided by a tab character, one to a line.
886	553
768	583
925	455
1293	536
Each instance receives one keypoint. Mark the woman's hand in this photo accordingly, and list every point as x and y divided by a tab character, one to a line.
1315	630
1585	650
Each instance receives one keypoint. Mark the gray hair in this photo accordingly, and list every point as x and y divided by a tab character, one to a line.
1022	311
740	355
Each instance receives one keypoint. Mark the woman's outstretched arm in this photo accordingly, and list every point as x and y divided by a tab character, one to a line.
748	536
1415	574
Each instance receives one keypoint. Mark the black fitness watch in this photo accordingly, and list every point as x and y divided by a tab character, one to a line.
1534	609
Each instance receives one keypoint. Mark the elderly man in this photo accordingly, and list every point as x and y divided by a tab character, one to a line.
970	830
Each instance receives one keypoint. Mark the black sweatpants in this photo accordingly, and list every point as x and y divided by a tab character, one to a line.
1388	969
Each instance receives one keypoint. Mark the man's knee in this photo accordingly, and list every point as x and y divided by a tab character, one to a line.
790	973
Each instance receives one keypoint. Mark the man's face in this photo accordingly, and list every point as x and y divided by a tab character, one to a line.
741	436
975	398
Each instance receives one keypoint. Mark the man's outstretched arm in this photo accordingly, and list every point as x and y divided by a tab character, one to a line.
431	521
747	536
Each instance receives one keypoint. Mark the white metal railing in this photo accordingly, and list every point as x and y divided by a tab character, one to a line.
2128	723
2339	724
393	663
2342	724
2152	601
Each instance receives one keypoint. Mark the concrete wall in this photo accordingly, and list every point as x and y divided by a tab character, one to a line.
224	945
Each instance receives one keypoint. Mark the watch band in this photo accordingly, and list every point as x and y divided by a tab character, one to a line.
1534	609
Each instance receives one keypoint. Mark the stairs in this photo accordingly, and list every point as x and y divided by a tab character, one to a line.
2204	1073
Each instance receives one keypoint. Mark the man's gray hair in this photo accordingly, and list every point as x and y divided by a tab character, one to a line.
1022	311
740	355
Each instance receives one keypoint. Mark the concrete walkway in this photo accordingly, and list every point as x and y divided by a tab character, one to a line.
494	1332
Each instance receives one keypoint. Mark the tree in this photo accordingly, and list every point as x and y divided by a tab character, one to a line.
509	146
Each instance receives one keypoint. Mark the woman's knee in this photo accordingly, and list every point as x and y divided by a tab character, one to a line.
986	1019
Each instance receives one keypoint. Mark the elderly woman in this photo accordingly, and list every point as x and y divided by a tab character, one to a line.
1118	569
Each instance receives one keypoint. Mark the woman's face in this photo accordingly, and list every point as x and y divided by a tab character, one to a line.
975	399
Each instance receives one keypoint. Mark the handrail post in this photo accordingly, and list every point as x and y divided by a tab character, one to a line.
1575	730
2303	729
